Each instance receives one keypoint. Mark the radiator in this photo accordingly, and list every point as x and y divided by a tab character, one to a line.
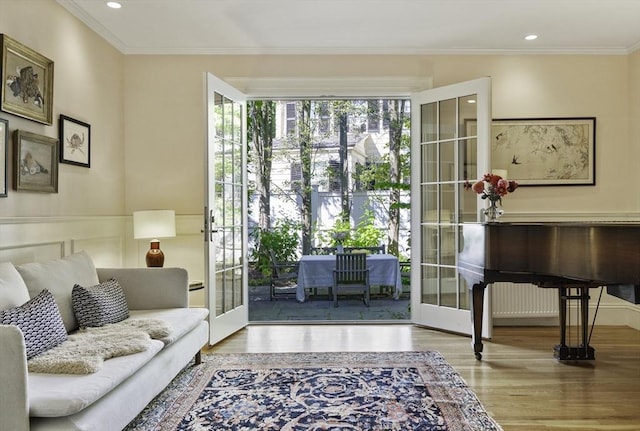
523	300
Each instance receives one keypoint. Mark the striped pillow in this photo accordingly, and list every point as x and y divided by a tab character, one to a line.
99	305
39	320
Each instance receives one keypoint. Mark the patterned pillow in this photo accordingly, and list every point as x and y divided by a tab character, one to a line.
40	322
99	305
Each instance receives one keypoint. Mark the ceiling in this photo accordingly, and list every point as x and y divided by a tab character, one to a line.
364	26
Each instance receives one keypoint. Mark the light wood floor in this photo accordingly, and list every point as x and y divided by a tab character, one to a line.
518	381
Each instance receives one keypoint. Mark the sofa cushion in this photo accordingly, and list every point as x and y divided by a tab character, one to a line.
59	276
181	320
13	291
40	323
54	395
99	305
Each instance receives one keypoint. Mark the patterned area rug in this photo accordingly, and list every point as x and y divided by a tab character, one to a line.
317	391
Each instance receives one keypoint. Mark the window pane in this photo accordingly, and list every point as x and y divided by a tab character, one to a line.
467	107
468	159
448	287
447	161
429	285
428	128
429	163
448	121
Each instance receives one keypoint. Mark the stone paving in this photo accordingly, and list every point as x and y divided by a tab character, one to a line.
350	308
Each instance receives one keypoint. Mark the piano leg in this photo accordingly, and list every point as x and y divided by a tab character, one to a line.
583	351
477	308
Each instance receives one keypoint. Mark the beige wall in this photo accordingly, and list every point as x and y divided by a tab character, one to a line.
523	86
88	86
634	123
147	120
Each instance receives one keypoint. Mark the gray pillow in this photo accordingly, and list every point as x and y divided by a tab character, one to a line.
100	304
59	276
13	291
40	322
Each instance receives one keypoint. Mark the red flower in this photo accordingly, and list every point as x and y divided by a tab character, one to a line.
478	187
492	187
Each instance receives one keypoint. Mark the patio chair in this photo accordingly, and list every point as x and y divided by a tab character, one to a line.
283	274
405	272
351	273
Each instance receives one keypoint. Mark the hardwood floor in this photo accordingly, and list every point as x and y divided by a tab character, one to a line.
518	381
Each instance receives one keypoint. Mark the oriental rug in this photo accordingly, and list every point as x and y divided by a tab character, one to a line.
317	391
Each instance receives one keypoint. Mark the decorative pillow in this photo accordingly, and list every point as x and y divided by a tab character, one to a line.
59	276
40	322
100	304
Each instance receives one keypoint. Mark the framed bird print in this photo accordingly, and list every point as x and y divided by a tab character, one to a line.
75	142
545	151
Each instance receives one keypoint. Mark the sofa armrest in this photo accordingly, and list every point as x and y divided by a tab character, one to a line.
14	405
151	288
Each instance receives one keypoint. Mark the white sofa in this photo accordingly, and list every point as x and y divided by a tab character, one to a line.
111	397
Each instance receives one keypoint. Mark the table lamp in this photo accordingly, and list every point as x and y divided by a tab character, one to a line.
153	225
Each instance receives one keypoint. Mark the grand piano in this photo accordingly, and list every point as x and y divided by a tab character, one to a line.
571	257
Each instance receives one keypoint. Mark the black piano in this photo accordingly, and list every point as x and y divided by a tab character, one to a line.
571	257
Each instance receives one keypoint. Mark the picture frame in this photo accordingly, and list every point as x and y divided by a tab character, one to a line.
545	151
35	166
4	152
75	142
27	82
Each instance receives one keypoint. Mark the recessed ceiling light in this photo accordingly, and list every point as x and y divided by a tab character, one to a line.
531	37
471	101
114	5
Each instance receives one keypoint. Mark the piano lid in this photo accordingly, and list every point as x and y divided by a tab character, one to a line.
598	253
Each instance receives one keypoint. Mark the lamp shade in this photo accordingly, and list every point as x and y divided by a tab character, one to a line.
154	224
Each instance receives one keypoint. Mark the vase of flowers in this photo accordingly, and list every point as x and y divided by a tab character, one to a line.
492	187
339	237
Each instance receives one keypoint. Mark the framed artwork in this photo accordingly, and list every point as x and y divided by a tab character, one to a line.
4	135
27	82
75	142
35	166
545	151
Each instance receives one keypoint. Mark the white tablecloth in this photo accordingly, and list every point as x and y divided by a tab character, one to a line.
317	271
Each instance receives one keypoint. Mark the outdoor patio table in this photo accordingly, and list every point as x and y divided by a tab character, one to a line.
317	271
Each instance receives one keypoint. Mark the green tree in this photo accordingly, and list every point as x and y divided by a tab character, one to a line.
262	129
306	146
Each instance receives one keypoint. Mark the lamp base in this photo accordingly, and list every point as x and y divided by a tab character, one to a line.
155	257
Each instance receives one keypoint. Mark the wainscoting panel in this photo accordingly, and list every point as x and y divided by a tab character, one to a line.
105	251
36	239
26	253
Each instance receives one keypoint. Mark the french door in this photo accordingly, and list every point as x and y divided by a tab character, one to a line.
225	209
450	130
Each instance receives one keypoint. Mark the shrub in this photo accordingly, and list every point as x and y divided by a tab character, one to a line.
283	239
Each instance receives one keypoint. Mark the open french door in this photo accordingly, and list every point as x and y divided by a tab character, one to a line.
225	209
450	136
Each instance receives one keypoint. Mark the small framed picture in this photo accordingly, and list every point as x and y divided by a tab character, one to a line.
4	135
35	166
27	82
75	142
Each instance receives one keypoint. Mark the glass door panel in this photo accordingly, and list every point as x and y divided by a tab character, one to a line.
450	151
225	224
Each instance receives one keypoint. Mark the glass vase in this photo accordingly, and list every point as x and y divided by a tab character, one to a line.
492	213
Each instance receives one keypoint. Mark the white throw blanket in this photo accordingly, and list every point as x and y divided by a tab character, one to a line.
85	351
